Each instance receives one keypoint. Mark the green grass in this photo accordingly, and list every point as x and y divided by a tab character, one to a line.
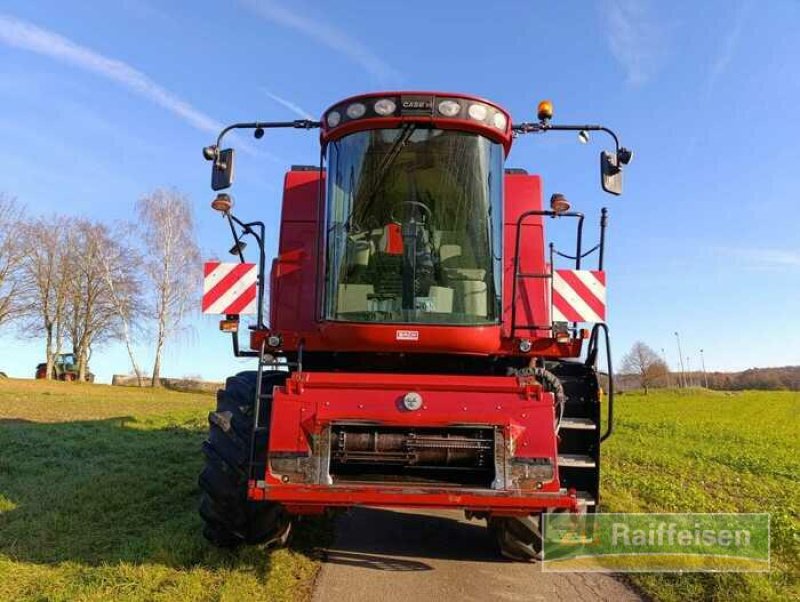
98	493
98	498
704	451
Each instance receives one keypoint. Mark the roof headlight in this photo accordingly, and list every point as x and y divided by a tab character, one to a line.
478	112
333	119
500	121
356	110
385	106
449	108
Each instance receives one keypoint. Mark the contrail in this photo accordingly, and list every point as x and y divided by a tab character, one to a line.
294	108
26	36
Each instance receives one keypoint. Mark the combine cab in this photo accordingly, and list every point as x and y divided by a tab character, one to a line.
425	347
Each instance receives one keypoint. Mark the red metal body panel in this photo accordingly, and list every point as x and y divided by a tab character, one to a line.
524	193
294	281
303	499
310	403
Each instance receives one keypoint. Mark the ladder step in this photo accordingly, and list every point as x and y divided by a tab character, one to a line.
578	424
575	461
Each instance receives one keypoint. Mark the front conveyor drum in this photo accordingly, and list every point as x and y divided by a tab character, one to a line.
452	456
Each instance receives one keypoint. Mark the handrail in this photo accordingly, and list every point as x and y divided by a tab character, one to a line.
591	360
518	274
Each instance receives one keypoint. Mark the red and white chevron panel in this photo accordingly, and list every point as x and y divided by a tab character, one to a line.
579	296
229	288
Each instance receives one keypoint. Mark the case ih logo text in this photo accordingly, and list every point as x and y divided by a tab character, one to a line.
407	335
416	105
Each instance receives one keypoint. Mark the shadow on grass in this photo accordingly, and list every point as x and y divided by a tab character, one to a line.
113	491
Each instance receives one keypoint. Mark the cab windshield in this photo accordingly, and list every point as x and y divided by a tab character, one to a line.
413	227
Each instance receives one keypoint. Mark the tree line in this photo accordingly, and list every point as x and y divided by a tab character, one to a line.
79	283
642	367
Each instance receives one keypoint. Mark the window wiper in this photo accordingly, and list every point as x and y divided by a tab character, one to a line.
386	163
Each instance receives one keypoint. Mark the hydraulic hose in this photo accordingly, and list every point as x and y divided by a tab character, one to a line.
551	384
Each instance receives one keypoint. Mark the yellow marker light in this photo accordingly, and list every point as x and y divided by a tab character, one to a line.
559	203
229	325
544	112
222	203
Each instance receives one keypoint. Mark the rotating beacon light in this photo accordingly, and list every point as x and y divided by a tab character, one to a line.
544	112
222	203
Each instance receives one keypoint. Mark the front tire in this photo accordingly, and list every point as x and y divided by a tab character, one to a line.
230	518
518	538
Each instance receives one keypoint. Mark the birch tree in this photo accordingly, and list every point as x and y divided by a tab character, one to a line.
171	264
103	293
119	266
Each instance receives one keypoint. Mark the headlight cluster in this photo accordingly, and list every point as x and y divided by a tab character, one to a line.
475	111
381	107
451	108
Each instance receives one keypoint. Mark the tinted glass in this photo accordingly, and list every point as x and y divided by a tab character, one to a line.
413	227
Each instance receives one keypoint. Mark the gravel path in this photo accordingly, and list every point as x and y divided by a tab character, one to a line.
404	556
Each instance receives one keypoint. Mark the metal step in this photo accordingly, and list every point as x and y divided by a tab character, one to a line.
578	424
575	461
586	499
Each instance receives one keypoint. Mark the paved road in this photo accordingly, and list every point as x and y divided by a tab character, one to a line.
392	555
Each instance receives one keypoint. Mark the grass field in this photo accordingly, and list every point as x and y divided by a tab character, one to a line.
98	493
707	451
98	501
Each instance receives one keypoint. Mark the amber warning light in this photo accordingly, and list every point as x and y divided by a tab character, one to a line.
544	112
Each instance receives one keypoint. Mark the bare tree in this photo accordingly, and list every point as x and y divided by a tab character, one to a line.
119	267
171	265
103	294
645	363
10	224
44	283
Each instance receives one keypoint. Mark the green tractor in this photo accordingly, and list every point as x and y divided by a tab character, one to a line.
65	367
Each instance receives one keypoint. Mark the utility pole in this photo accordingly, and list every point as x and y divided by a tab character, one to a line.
703	364
680	359
689	378
666	363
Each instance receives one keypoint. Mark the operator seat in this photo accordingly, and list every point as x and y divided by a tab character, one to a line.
462	274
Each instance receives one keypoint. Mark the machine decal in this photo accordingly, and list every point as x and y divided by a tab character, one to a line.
229	288
579	296
407	335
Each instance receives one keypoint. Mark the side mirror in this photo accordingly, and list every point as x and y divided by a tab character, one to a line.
610	173
222	170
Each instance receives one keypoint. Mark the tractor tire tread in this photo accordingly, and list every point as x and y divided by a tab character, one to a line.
230	519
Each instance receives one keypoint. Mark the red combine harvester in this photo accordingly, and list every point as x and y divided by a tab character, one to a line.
422	349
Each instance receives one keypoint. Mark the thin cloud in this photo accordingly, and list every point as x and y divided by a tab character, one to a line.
294	108
635	39
26	36
325	34
765	258
728	48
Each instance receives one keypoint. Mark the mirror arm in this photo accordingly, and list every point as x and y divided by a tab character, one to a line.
235	236
303	124
539	127
260	235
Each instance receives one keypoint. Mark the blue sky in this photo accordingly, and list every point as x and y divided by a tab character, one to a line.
102	102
